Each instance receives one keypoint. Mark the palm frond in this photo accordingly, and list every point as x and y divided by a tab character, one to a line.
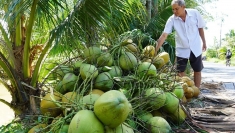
131	16
6	49
89	19
45	8
5	65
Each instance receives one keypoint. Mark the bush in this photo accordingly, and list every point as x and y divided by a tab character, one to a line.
211	53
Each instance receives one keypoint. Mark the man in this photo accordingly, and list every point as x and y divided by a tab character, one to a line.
189	37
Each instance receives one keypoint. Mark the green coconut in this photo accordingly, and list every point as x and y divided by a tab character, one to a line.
146	69
115	71
59	87
38	128
96	91
158	62
70	98
156	97
158	113
133	123
62	70
105	59
91	54
77	64
89	100
123	128
128	61
178	91
132	48
103	81
149	51
85	121
145	116
106	68
48	104
126	42
112	108
165	56
76	67
88	71
63	129
171	104
159	125
125	92
178	117
69	81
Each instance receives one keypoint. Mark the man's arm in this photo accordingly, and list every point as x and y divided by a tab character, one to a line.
201	32
160	41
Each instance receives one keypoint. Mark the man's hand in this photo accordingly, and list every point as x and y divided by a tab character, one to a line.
204	47
156	48
160	41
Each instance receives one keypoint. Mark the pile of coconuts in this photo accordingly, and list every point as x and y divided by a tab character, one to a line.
116	89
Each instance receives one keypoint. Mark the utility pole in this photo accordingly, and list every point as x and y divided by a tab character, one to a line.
220	39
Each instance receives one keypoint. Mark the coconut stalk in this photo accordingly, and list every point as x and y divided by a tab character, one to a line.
29	28
26	67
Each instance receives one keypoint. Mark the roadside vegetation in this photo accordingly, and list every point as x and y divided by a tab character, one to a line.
217	52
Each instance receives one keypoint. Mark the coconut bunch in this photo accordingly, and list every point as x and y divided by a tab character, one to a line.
190	90
149	55
118	88
104	111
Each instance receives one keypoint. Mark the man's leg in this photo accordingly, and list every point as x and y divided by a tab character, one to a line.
197	65
197	79
181	74
181	64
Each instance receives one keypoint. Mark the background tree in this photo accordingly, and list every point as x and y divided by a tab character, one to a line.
220	51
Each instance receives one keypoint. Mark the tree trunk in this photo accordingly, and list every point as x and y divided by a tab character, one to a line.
149	8
154	7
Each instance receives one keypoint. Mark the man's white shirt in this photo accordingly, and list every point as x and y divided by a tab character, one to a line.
187	35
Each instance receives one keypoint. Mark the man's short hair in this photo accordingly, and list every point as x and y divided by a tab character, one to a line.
179	2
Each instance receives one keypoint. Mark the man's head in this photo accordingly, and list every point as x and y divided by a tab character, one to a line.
178	7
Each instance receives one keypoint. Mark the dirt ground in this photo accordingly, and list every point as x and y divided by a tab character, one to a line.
6	114
214	109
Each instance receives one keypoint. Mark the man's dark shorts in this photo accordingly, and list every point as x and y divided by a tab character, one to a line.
196	63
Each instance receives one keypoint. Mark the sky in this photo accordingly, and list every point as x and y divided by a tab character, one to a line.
220	8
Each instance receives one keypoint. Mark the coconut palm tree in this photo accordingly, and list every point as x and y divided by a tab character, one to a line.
31	29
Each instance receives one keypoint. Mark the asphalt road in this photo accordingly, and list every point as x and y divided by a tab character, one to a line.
218	72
